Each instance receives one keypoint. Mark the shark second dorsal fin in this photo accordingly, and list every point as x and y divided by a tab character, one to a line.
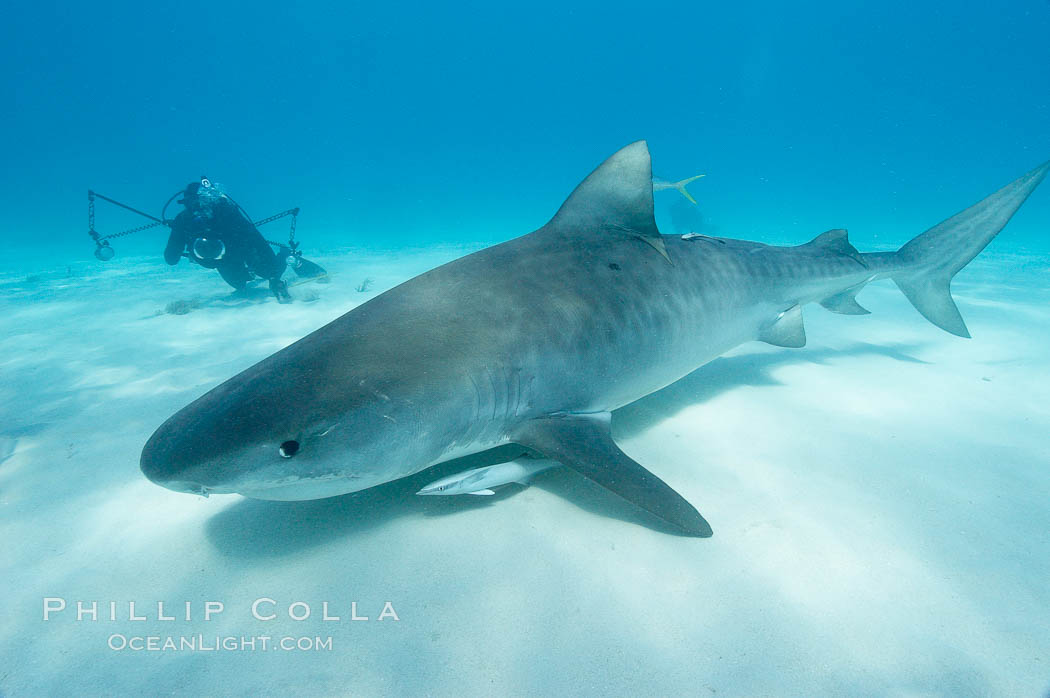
835	242
615	199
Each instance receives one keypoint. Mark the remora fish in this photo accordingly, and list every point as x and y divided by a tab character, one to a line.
535	341
482	480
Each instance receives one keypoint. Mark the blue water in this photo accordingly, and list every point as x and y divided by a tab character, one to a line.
394	123
878	498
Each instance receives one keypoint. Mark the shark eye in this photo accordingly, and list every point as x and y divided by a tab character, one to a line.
289	449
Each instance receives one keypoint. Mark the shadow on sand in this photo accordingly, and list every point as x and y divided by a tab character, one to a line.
262	529
725	373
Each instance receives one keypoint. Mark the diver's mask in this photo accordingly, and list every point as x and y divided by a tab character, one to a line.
209	195
209	249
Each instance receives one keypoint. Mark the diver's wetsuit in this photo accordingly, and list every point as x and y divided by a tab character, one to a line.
246	250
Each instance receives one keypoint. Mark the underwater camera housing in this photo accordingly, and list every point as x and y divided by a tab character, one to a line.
209	249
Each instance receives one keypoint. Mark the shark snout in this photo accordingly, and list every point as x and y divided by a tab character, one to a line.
158	465
183	486
174	459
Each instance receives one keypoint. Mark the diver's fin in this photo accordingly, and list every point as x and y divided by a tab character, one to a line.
584	443
280	290
482	492
308	270
927	263
787	330
845	303
615	199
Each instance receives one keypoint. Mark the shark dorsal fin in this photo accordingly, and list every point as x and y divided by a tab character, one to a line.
615	199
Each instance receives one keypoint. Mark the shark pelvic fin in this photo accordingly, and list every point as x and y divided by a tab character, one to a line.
616	199
845	303
584	443
787	330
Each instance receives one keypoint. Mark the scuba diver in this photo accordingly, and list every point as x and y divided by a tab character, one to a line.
214	232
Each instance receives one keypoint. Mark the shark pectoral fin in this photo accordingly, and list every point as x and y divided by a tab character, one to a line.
845	303
787	330
584	443
482	492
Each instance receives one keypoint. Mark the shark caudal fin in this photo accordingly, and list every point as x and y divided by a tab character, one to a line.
926	265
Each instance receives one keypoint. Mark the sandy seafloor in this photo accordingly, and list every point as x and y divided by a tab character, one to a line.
879	502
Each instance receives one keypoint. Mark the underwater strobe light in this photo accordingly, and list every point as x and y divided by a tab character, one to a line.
104	252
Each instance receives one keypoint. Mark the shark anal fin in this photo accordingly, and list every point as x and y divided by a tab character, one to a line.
584	443
787	330
845	303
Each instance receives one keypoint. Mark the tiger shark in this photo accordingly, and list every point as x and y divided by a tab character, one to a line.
535	342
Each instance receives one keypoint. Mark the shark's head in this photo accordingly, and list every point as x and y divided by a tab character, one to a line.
285	431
